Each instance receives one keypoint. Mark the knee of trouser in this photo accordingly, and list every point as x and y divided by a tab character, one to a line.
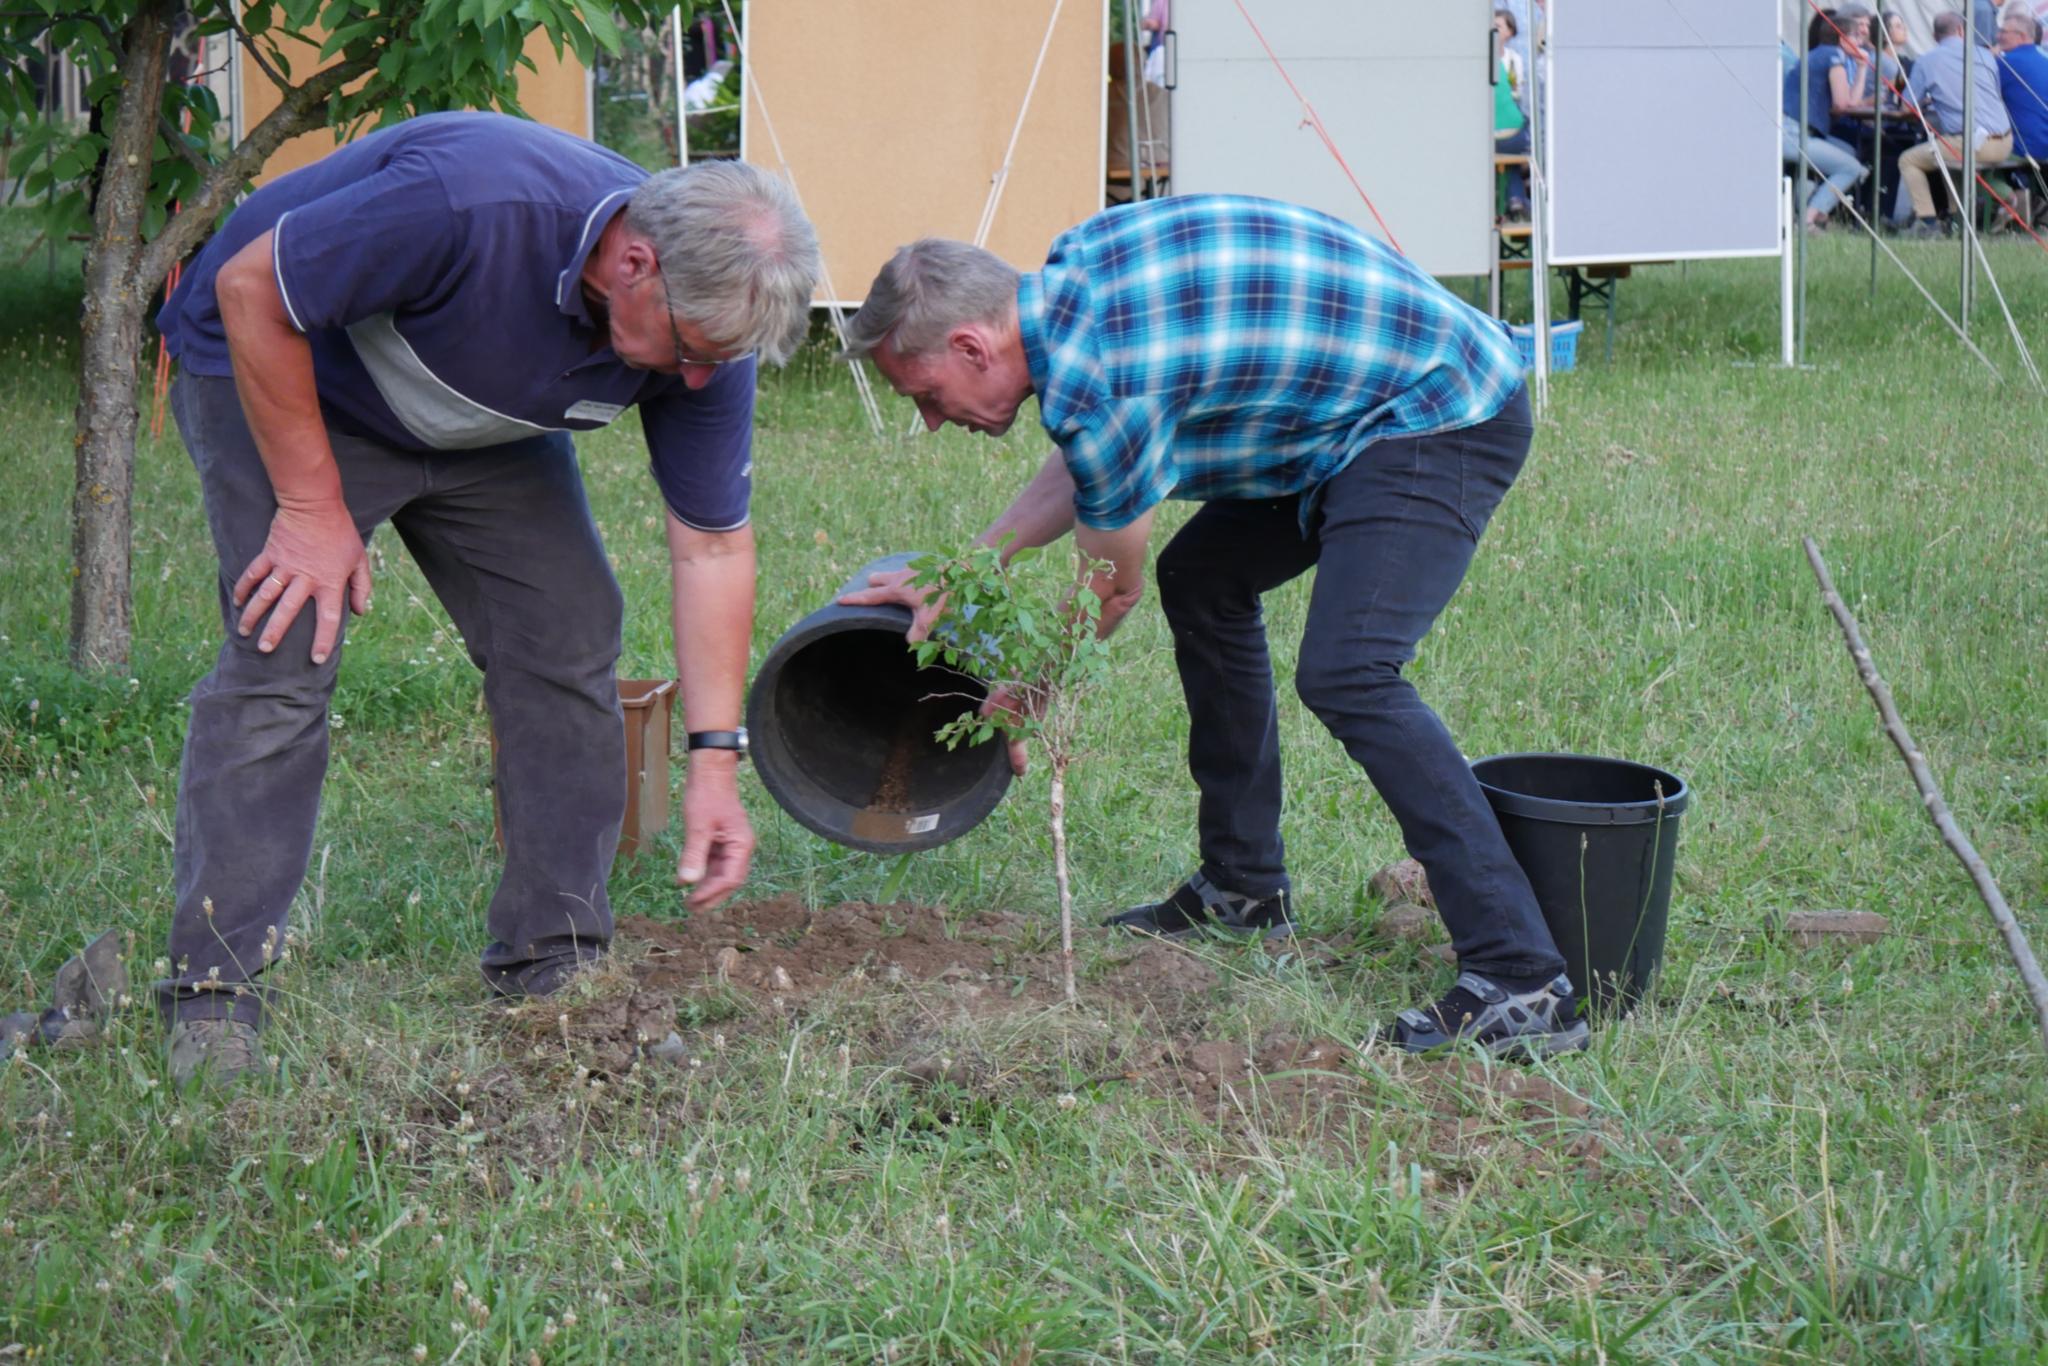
583	630
1329	687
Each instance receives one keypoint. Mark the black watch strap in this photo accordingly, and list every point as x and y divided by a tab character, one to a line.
735	740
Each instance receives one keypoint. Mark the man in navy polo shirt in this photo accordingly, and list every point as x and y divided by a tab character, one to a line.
408	331
1332	408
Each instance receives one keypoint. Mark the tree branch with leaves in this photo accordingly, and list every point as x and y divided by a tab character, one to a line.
151	174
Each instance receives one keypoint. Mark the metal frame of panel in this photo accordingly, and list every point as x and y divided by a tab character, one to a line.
1660	127
1404	88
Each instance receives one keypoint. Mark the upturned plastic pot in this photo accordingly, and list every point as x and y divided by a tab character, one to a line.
841	721
1597	838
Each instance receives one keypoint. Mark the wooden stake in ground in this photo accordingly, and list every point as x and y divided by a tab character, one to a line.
1930	794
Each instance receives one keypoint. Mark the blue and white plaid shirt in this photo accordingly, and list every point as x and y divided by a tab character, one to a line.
1218	346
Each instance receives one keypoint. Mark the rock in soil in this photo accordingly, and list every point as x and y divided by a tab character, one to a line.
17	1031
1823	929
1404	920
1402	880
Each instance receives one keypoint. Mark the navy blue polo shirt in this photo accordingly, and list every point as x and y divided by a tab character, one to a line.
435	269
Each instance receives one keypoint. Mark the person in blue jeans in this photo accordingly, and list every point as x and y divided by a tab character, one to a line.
1334	410
1510	124
1826	86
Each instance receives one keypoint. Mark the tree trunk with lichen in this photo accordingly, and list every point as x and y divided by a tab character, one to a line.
110	349
121	275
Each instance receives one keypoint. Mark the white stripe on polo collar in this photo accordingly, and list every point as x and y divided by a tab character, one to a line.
582	251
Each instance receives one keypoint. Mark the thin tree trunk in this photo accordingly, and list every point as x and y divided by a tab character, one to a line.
110	347
1059	872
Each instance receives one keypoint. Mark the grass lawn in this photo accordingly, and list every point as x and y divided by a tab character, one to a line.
1835	1154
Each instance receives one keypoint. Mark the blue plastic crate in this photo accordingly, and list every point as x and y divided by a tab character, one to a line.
1564	344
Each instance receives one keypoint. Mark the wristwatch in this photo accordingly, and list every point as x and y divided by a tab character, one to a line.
734	740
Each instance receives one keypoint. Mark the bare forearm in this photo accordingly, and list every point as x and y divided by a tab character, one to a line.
1039	515
274	379
714	621
1122	583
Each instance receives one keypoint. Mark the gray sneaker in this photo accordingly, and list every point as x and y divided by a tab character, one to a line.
1199	907
1506	1024
221	1051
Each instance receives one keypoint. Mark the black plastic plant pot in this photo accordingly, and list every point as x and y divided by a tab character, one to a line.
1597	838
841	721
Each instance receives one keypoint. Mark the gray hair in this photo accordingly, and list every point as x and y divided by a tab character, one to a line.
738	257
929	288
2026	23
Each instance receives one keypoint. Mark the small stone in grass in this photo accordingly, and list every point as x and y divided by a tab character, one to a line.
671	1049
1402	880
726	962
1821	929
1408	921
1440	953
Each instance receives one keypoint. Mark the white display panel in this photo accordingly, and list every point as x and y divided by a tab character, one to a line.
1402	86
1661	130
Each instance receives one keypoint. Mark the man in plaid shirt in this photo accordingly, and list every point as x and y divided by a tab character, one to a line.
1331	407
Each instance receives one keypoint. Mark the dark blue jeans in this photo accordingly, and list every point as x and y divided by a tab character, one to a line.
1516	142
1391	538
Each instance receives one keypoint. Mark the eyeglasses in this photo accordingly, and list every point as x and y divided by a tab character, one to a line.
683	357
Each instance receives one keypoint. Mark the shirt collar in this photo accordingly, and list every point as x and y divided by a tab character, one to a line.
1031	328
569	284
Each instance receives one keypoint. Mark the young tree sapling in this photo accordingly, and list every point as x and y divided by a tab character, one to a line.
1035	641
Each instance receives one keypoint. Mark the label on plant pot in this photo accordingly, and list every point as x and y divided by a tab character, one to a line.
918	825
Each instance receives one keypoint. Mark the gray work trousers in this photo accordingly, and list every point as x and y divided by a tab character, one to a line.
504	535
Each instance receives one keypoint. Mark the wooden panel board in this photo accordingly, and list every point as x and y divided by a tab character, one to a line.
556	93
894	115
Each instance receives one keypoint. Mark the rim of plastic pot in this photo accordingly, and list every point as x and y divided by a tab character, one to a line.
1596	781
807	801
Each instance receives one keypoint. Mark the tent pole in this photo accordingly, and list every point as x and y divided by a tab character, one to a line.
1786	357
1539	200
1134	76
1879	40
1800	200
49	149
675	42
1966	193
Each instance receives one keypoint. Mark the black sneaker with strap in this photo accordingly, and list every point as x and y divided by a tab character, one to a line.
1198	907
1507	1024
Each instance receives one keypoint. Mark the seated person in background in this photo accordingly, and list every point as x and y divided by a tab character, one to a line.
1826	89
1876	73
1510	128
1896	42
1123	187
2023	80
1937	90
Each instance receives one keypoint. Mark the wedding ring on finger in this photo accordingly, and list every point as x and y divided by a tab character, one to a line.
272	578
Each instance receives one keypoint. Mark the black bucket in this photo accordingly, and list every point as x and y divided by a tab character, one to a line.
1597	838
841	721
